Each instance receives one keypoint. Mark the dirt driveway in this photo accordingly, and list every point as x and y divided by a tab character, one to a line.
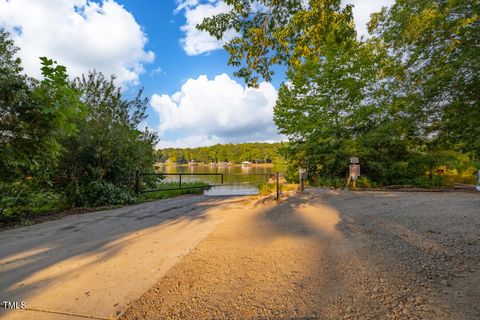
91	266
330	255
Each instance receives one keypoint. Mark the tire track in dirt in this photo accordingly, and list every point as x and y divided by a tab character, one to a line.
311	256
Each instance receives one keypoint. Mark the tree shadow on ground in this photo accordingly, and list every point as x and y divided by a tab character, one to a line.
99	236
383	246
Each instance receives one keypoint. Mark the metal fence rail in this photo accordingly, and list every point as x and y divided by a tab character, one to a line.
138	181
138	176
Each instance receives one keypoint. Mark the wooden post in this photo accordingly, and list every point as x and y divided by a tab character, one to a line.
222	178
278	188
302	174
180	181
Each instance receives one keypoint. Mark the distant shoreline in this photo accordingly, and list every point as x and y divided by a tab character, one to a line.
256	165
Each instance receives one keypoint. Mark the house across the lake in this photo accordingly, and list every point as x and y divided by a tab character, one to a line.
246	164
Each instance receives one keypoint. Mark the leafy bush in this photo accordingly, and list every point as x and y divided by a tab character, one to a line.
266	188
19	199
330	182
364	182
101	193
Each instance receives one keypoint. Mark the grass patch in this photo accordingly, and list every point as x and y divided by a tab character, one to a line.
17	209
187	188
271	188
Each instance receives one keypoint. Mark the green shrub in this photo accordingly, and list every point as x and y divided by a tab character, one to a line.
19	199
266	188
188	188
423	182
330	182
102	193
364	182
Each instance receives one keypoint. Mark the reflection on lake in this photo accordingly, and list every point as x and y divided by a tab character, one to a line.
237	180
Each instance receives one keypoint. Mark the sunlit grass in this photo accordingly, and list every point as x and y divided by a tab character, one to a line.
271	188
187	188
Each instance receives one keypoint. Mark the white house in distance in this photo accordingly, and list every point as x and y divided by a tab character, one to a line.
246	164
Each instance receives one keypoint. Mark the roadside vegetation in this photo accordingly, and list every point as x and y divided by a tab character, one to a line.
67	142
268	188
405	101
45	205
187	188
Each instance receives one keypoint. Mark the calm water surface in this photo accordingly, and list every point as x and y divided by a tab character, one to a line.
237	180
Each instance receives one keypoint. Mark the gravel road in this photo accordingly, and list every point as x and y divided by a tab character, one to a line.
330	254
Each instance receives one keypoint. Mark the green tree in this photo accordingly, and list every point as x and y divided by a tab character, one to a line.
66	141
396	100
34	114
326	105
279	32
438	44
108	146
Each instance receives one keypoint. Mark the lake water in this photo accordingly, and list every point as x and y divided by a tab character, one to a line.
237	180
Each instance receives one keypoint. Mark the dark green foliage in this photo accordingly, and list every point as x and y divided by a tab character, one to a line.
401	100
437	43
108	146
33	115
19	200
66	143
279	32
101	193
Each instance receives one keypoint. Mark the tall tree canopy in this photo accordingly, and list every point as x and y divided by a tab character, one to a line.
405	100
74	141
34	114
438	43
279	32
108	145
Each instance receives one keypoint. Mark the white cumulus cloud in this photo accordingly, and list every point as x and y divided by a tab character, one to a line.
363	9
80	34
189	142
196	42
213	111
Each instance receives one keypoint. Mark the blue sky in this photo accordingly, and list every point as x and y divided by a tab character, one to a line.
194	98
162	25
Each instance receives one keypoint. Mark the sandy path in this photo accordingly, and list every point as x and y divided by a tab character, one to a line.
331	255
93	265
